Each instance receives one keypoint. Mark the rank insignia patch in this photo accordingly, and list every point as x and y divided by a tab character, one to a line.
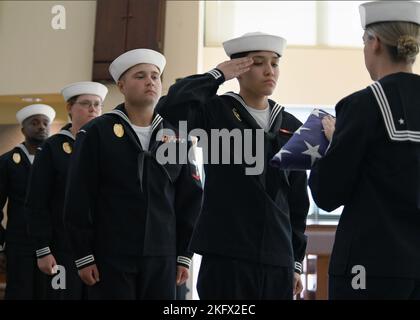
235	112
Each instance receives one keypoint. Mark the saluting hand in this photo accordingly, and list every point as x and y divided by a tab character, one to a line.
182	275
233	68
47	264
89	275
328	123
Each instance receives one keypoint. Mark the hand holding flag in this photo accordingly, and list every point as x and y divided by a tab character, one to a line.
308	144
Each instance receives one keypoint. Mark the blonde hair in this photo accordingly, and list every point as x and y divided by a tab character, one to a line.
401	39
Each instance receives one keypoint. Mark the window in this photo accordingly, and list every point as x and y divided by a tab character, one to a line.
343	24
308	23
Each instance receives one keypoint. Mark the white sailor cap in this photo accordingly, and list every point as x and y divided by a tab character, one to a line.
85	87
255	41
384	11
134	57
35	109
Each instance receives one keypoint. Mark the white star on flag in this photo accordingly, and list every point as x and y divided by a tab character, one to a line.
312	151
302	128
307	145
281	152
317	112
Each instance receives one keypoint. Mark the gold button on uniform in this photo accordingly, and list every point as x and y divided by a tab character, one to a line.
118	130
16	158
67	148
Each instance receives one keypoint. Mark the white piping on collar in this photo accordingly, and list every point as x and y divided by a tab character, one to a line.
26	152
66	133
394	134
273	112
156	121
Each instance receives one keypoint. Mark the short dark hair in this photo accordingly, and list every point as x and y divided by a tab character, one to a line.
246	53
122	76
73	100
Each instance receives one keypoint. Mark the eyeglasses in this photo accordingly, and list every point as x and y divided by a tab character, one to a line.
86	104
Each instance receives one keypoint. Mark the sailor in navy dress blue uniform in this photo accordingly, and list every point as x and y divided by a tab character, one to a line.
372	166
130	216
251	229
24	280
46	191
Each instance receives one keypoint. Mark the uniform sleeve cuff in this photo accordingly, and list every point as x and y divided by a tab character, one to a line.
184	261
298	267
85	261
40	253
217	75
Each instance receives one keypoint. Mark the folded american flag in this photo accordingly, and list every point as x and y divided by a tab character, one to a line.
305	147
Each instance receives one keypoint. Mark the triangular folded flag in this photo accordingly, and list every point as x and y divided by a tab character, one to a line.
305	147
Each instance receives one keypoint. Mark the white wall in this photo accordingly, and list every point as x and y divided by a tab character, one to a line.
34	58
308	75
